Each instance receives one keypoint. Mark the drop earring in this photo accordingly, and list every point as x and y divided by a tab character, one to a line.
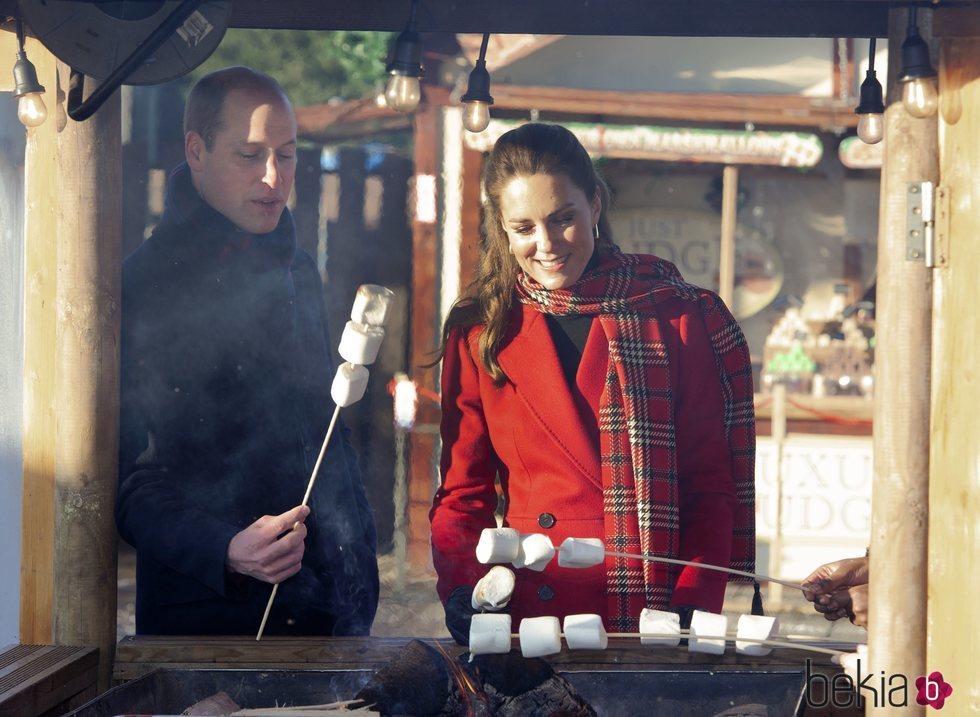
595	232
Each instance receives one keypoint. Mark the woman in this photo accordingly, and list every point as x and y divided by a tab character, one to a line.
611	400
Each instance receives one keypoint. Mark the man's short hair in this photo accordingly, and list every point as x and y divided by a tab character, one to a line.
202	113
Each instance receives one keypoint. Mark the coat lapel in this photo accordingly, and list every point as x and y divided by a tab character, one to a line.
531	363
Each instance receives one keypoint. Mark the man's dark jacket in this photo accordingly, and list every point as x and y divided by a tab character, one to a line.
226	375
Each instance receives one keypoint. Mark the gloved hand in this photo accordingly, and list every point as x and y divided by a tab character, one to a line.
459	614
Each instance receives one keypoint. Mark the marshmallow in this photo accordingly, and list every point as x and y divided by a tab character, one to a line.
349	384
581	553
707	633
535	552
585	632
660	622
359	343
490	634
540	636
755	627
371	304
498	545
493	590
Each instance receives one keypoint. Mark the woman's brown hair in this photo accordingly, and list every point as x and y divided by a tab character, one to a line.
522	152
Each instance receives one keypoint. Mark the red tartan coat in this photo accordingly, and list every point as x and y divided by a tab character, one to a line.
541	437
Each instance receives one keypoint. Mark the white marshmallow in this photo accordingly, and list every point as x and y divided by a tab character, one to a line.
498	545
581	553
371	304
585	632
493	590
707	633
540	636
660	622
755	627
490	634
536	551
360	343
349	384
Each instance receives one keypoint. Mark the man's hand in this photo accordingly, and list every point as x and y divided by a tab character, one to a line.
258	551
840	589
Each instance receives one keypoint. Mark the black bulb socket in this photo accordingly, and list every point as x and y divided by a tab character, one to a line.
871	96
478	87
915	57
25	77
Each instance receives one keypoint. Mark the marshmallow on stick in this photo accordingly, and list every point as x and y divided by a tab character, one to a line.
660	622
540	636
359	345
581	553
536	551
707	633
498	545
493	591
585	632
755	627
490	634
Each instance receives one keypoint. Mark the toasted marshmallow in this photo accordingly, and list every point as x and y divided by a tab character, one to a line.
371	304
494	590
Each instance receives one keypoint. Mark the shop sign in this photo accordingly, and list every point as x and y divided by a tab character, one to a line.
824	484
679	144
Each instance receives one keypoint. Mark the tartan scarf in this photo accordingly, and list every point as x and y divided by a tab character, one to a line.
636	420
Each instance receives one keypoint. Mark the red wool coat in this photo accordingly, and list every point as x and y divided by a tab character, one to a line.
541	437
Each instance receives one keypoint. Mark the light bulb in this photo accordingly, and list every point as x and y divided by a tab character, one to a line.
31	110
476	115
920	96
871	127
403	93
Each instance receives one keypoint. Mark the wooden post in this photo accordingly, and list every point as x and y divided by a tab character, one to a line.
89	246
954	492
729	220
423	458
40	253
900	511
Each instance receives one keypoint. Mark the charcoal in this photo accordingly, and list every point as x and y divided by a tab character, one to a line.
422	681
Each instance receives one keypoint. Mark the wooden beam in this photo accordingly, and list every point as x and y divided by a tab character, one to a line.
423	460
781	110
729	220
89	246
954	490
706	18
40	280
900	498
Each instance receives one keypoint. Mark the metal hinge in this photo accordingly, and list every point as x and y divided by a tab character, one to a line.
927	224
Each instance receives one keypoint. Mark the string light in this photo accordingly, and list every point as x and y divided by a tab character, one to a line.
31	110
871	109
920	93
404	91
477	100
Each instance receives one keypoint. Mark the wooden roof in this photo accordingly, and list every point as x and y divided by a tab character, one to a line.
734	18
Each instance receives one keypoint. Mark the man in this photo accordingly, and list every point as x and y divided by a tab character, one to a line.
225	391
840	589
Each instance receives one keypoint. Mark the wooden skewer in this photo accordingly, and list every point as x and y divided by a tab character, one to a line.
306	498
706	566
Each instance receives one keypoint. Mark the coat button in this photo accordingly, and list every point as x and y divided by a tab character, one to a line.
546	520
545	592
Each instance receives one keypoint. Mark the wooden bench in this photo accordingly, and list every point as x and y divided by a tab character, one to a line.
46	680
